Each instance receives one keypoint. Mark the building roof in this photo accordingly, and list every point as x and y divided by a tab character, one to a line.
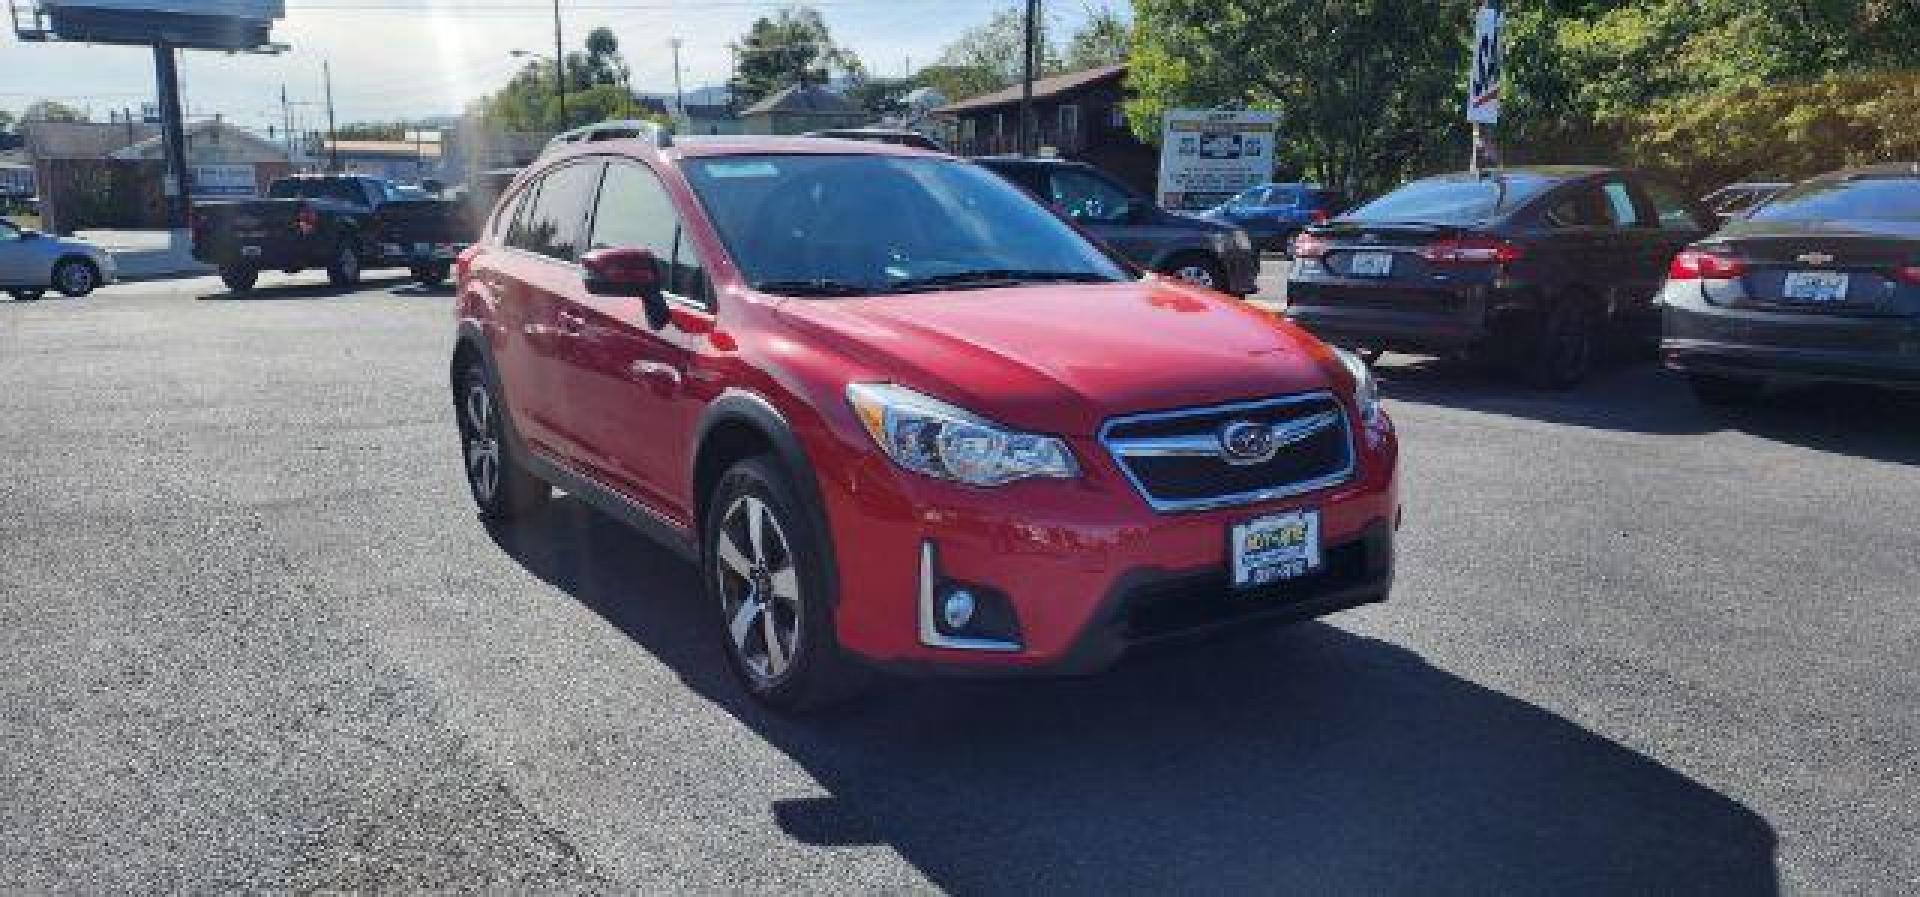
216	130
806	99
81	140
1043	88
396	148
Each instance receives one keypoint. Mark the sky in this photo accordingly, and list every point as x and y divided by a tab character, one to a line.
400	59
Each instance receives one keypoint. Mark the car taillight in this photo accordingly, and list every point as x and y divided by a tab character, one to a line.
1311	246
1319	216
306	221
1694	264
1908	274
1471	251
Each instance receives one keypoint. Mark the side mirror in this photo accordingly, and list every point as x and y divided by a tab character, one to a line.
629	271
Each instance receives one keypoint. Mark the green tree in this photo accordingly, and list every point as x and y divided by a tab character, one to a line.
51	110
988	57
1101	40
596	91
883	96
1368	91
792	47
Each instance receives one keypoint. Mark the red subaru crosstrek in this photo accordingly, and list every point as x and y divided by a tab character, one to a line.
903	416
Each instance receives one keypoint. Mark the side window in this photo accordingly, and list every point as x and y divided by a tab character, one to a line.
1670	208
635	211
555	224
509	209
519	218
1086	197
8	232
1584	207
1620	204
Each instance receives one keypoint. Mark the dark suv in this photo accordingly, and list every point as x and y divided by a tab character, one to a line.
1205	253
903	416
1532	265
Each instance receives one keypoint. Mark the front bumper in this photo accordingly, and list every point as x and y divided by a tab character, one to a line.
1088	570
1699	337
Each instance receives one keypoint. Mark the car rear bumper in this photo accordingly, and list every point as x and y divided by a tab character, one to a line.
1087	571
1378	316
1702	338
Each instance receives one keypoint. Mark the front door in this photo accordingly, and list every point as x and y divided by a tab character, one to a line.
630	380
14	256
1108	211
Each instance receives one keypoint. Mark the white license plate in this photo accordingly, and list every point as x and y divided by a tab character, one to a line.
1816	286
1370	264
250	251
1274	549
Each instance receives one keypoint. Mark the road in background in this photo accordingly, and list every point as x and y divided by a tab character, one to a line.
254	637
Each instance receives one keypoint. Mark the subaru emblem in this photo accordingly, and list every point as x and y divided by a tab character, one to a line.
1246	442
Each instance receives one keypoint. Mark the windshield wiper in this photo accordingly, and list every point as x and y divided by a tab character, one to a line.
997	277
819	286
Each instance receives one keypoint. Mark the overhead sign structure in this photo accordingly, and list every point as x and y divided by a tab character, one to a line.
1483	83
1209	156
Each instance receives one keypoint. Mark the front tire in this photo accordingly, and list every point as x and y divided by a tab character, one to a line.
239	279
75	278
344	270
766	569
1714	389
502	487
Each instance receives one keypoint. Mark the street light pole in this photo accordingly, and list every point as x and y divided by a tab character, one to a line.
333	137
559	67
679	99
1026	77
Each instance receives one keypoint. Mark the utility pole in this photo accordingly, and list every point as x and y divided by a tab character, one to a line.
679	99
333	140
1026	78
173	133
286	119
559	67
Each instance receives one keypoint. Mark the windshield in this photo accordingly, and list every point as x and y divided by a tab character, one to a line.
856	224
1452	199
1865	199
316	188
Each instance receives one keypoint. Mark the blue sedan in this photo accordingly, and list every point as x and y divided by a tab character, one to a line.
1273	213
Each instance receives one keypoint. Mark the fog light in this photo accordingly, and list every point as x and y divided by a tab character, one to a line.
957	609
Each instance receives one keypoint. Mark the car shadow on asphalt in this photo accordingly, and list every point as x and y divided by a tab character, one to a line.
1307	759
271	291
410	290
1642	397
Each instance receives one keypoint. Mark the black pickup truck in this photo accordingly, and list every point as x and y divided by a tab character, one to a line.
342	223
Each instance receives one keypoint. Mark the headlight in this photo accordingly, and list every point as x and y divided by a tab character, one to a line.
929	436
1366	390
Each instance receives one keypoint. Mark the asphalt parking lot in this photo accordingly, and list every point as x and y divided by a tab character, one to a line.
255	637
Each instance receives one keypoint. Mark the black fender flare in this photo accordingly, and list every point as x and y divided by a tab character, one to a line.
472	337
735	406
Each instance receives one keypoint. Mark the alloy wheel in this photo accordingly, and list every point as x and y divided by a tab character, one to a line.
483	443
759	589
76	279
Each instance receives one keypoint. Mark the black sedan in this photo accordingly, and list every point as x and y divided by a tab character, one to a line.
1533	266
1821	283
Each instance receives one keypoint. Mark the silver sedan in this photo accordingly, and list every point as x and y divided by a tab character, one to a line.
31	262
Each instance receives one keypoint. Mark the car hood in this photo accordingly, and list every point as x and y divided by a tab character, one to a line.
1063	359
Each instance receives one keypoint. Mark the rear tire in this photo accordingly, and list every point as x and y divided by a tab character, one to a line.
1719	390
772	596
430	275
344	269
239	280
75	278
1561	356
501	486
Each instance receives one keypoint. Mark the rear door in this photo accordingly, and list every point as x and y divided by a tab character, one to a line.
537	279
1631	249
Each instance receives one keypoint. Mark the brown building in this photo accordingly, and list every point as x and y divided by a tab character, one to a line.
1077	116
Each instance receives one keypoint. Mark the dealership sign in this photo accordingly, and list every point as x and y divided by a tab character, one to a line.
1483	83
224	181
1206	157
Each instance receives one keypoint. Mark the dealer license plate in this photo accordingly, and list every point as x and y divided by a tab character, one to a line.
1816	286
1370	264
1274	549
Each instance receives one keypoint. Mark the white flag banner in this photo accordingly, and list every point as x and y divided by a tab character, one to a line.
1483	85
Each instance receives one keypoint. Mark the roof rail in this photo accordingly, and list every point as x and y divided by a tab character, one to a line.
618	129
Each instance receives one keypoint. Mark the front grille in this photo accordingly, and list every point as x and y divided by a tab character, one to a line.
1176	461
